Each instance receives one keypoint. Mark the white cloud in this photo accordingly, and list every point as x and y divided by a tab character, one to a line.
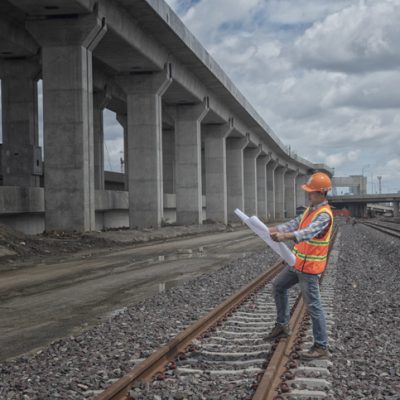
377	90
213	14
363	37
290	12
337	159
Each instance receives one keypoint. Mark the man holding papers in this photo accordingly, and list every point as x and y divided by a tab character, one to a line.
311	232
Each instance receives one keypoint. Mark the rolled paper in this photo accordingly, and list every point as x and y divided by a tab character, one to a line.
262	231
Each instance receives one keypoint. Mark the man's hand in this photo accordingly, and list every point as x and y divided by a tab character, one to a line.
281	236
272	229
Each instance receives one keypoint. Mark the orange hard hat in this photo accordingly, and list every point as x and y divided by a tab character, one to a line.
318	182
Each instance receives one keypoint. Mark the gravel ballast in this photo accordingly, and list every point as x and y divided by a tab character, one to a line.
74	367
366	345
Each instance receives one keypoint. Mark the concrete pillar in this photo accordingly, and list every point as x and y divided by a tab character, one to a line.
123	121
169	160
280	193
235	174
100	101
188	180
271	166
290	193
215	165
300	198
250	180
396	209
305	194
68	119
262	199
144	106
21	156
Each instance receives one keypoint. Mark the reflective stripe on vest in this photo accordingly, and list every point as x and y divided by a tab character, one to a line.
312	255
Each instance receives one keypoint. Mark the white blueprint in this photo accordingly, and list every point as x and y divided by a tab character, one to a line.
262	231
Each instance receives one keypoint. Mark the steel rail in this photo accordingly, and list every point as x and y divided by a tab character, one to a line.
156	362
384	228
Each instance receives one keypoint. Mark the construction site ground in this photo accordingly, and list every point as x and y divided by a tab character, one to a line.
55	285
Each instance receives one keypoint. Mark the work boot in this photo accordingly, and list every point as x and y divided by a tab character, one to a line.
315	353
278	331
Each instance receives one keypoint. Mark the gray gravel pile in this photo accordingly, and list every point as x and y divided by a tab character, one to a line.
366	349
73	367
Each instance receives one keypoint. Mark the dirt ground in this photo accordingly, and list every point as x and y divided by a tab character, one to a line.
15	245
53	286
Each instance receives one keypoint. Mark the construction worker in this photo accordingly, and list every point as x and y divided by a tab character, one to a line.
311	231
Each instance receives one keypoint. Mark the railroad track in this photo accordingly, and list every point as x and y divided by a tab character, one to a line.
224	355
386	228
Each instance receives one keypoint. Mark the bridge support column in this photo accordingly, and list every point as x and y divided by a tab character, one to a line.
290	193
188	178
271	166
358	210
123	121
21	156
262	200
250	180
280	193
144	97
396	212
235	174
68	119
300	193
215	166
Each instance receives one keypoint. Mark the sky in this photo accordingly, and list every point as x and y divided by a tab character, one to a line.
325	75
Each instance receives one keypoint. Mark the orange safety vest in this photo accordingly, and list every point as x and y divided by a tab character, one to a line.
312	255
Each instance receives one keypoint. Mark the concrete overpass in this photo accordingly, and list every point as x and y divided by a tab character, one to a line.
358	204
356	183
194	146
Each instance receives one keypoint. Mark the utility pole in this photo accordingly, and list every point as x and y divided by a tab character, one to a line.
380	184
122	161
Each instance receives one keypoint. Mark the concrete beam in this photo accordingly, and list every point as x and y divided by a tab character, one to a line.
103	82
16	200
16	41
56	7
